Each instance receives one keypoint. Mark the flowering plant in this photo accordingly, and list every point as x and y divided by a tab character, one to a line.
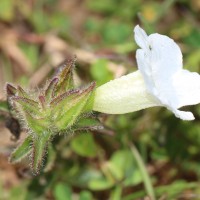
159	81
60	108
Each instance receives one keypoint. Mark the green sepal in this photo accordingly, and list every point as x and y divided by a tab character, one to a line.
42	102
89	106
22	150
60	104
74	108
37	125
28	105
63	99
50	91
10	90
88	123
21	92
66	81
40	146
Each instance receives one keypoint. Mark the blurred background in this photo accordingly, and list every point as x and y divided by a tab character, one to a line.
35	36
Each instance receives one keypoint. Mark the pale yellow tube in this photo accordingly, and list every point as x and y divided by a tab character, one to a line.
123	95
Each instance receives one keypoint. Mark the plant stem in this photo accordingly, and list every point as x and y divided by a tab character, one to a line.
146	178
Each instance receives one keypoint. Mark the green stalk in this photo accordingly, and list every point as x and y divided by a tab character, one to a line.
146	178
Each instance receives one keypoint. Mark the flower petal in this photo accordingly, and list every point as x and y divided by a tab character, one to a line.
187	88
158	63
123	95
182	114
141	37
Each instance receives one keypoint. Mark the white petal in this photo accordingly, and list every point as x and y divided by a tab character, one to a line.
158	64
123	95
146	71
141	37
162	61
183	114
166	54
187	88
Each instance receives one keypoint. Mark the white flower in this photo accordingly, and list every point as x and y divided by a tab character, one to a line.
160	80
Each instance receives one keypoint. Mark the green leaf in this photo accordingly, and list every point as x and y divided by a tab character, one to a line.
84	145
126	167
62	192
85	175
100	184
123	159
40	146
116	193
85	195
21	151
114	173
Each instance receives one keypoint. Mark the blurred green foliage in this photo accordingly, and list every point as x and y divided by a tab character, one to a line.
100	72
101	165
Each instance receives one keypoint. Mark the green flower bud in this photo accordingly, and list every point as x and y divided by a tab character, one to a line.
57	108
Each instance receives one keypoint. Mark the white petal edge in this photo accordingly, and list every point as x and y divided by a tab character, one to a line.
187	87
123	95
141	37
184	115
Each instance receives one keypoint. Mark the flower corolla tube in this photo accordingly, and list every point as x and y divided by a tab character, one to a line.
159	81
